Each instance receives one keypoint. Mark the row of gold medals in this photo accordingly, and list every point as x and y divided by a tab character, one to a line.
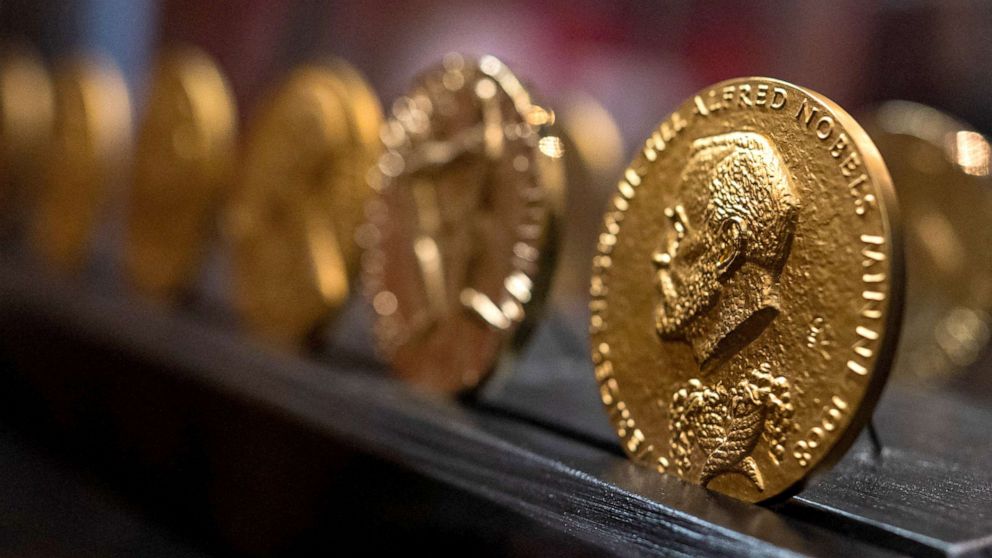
449	211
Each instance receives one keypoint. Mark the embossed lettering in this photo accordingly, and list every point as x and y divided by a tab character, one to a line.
778	98
873	274
744	96
863	200
699	107
832	415
729	92
824	127
806	113
850	164
839	146
762	95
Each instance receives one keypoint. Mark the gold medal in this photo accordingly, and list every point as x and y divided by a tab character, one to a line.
463	226
91	136
183	165
747	289
303	185
26	108
941	169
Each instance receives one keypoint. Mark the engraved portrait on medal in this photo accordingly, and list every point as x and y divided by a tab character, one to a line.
718	268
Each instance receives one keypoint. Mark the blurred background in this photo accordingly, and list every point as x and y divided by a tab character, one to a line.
637	58
612	70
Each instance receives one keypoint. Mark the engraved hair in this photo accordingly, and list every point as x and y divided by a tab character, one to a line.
739	177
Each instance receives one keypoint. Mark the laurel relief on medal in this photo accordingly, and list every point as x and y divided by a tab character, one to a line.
717	270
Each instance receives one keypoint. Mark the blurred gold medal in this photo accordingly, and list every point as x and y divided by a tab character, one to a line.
747	289
304	182
90	142
464	222
183	164
941	171
26	108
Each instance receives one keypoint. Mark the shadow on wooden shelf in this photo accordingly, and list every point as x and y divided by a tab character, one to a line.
237	442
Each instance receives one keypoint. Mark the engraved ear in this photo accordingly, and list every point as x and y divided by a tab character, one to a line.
730	244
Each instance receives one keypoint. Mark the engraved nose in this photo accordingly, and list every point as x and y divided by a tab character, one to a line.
661	259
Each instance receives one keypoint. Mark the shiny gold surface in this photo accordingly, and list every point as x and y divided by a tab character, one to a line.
462	232
747	289
304	182
941	170
183	165
92	131
26	113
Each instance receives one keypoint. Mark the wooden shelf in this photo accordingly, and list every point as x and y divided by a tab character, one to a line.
535	443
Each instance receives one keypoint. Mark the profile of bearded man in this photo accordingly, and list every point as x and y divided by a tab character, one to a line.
729	234
718	265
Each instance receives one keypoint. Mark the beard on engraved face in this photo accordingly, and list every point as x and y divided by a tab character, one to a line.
687	278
